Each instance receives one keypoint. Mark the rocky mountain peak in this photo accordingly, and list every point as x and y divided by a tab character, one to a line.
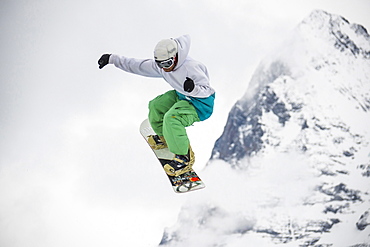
292	165
319	49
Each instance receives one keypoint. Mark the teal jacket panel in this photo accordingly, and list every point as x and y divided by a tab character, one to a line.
203	106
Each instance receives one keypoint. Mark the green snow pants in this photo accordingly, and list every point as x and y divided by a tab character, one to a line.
169	116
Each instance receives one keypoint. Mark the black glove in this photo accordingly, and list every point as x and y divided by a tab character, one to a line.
189	85
104	60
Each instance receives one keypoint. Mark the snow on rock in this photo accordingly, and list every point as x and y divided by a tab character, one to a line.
292	167
364	221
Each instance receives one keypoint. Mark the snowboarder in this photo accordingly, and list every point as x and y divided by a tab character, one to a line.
191	100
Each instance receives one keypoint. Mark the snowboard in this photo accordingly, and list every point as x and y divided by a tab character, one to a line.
186	182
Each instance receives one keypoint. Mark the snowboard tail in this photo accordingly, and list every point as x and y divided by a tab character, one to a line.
186	182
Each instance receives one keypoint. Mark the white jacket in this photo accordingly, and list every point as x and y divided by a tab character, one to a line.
186	67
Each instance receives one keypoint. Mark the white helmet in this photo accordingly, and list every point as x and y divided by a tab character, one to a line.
165	49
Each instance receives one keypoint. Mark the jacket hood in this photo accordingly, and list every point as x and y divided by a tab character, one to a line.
183	47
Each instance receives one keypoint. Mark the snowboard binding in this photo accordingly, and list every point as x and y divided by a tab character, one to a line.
157	142
180	164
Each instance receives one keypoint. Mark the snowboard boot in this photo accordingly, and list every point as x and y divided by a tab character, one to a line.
180	164
157	142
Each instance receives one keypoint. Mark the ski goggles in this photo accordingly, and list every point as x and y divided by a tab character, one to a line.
165	64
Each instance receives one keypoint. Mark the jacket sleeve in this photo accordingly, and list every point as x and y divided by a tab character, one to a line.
202	88
143	67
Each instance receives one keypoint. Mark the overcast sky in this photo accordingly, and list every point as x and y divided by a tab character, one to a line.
74	170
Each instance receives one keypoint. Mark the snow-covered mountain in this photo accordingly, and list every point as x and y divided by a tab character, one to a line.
292	167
